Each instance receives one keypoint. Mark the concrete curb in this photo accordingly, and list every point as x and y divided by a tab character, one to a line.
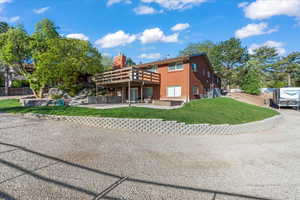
160	127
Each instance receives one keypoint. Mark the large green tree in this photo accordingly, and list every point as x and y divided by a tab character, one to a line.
14	48
290	66
265	59
65	61
226	57
196	48
4	27
56	61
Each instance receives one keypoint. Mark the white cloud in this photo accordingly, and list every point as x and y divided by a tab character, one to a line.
10	19
111	2
157	35
263	9
106	54
243	4
180	27
150	56
5	1
78	36
119	38
144	10
253	30
41	10
176	4
277	45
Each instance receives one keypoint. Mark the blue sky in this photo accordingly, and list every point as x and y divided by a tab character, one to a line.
146	30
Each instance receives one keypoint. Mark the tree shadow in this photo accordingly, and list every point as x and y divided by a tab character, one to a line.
135	180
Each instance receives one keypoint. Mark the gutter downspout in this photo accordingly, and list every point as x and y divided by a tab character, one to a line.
188	80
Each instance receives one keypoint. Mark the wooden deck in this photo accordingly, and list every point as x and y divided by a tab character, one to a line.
125	76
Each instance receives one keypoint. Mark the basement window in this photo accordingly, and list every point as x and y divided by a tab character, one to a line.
174	91
195	90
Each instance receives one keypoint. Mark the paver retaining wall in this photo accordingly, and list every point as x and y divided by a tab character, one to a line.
160	127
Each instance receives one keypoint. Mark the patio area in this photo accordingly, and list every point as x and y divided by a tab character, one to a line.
123	105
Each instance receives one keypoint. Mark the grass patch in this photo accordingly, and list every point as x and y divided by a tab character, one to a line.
205	111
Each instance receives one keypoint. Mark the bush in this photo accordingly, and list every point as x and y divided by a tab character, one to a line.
20	83
2	82
56	96
251	82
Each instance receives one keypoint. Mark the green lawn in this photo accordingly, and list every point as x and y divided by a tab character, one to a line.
208	111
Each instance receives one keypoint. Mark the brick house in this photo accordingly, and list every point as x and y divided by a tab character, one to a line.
182	79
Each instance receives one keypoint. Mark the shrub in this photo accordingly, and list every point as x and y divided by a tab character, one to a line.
251	82
56	96
20	83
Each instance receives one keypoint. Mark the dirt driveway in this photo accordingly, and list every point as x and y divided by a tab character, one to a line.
57	160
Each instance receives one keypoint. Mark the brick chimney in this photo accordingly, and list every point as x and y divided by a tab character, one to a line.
120	61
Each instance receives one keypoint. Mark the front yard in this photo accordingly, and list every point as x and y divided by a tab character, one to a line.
206	111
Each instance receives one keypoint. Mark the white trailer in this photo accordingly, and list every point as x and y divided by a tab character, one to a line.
287	97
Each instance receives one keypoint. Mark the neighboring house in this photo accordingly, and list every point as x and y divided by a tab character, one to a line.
182	78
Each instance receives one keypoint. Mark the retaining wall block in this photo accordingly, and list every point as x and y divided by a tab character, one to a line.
161	127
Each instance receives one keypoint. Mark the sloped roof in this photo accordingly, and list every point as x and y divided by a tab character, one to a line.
169	61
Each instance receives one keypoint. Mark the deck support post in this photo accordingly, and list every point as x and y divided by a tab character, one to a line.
122	94
142	95
129	93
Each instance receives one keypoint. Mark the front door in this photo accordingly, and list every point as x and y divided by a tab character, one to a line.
134	94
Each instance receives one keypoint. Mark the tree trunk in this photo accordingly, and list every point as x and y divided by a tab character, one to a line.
41	94
34	92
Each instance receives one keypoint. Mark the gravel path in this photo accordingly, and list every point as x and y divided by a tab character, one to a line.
59	160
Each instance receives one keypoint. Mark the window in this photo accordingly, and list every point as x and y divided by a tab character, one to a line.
148	92
174	91
175	67
194	67
153	69
195	90
203	72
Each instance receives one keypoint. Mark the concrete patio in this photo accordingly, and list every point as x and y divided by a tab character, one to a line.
142	105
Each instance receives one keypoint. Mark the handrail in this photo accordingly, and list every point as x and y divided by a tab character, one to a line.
125	75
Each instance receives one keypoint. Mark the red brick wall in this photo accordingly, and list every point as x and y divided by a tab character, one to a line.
200	77
185	78
174	78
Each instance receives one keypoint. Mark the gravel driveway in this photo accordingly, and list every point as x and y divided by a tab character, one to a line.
59	160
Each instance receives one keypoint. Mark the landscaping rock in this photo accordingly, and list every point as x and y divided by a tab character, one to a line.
35	102
55	92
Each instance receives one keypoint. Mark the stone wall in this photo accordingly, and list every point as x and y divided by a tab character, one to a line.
160	127
103	99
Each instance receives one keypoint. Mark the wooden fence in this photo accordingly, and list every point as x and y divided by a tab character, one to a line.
16	91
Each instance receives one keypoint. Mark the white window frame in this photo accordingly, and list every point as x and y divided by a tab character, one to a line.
174	91
176	67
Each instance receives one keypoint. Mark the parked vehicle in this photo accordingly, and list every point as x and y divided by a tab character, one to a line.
287	97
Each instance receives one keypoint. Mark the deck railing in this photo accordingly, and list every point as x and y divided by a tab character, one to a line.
125	75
